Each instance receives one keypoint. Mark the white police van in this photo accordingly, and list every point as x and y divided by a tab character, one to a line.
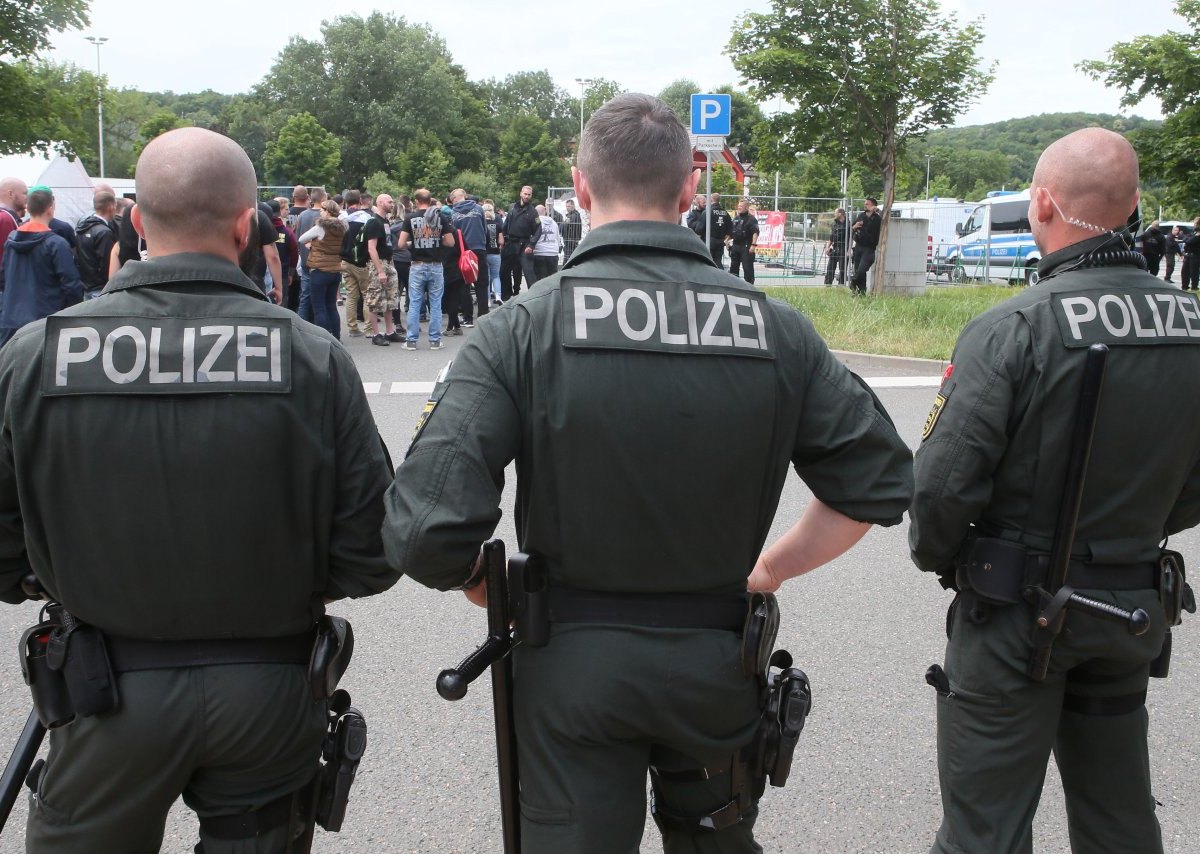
995	243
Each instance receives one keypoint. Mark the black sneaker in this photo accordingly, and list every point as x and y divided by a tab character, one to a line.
395	337
436	345
380	339
468	324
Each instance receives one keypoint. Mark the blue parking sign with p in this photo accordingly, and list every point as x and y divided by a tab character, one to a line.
711	115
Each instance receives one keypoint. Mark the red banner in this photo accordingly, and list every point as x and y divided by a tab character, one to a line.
770	230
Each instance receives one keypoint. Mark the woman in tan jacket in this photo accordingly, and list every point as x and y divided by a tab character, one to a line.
325	266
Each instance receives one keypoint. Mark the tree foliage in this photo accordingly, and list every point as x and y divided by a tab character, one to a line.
1166	67
26	25
529	156
863	77
302	153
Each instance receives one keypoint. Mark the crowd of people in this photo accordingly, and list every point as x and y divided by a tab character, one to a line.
311	253
1167	247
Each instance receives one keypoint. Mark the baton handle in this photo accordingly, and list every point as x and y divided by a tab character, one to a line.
452	683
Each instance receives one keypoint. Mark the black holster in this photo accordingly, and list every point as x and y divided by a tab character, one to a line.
332	651
67	667
993	569
1176	596
788	702
529	599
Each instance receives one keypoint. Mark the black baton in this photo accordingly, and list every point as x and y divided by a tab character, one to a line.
452	685
19	764
1054	600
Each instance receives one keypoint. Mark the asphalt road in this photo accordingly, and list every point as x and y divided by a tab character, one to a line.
864	629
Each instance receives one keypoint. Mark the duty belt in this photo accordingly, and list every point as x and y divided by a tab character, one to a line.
129	655
1091	576
652	610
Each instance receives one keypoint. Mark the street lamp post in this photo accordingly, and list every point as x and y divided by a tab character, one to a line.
97	41
583	82
928	157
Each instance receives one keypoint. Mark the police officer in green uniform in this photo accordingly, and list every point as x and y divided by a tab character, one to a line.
990	476
652	403
195	472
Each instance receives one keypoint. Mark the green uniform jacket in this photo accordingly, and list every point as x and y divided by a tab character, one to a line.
652	403
181	459
995	445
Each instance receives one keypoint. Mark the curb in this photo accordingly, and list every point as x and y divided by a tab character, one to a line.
876	359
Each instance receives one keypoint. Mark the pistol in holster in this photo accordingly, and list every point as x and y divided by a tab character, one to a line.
1176	596
786	695
66	665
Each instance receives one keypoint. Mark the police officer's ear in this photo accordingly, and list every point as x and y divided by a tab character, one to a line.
688	191
244	226
135	217
1041	206
582	192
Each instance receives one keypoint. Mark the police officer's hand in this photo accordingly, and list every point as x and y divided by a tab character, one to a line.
762	579
477	595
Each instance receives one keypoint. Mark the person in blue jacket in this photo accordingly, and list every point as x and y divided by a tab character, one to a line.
40	276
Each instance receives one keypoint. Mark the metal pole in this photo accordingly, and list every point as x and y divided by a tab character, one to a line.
97	41
708	199
928	157
776	190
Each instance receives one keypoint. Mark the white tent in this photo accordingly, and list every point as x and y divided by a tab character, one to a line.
66	176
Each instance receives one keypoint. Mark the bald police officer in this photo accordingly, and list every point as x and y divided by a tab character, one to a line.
154	439
607	383
990	475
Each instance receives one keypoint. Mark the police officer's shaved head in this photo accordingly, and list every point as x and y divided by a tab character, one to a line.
634	150
1093	176
193	180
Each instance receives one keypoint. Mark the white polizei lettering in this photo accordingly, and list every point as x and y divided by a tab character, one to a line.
245	352
739	321
66	357
1106	301
276	355
1169	323
1138	329
158	377
1077	318
583	314
665	335
206	374
1158	324
1187	307
623	314
139	354
717	302
189	354
762	327
689	300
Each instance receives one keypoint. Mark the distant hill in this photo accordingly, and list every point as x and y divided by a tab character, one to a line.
1022	140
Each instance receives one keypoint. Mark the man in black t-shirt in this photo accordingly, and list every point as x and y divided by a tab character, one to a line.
383	290
743	240
522	228
424	232
261	257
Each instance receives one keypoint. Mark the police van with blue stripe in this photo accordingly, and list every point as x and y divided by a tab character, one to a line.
995	244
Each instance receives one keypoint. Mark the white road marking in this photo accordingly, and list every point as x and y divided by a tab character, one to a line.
426	388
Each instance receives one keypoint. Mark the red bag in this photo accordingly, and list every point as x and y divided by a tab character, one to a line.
468	264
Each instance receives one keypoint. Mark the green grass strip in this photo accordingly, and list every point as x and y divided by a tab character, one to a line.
924	326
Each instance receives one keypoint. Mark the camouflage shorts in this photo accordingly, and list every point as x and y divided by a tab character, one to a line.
382	296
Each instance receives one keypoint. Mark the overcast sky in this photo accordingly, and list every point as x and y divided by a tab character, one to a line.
643	45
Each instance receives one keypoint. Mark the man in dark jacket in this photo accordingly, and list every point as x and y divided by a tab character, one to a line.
40	276
522	228
95	236
467	216
866	239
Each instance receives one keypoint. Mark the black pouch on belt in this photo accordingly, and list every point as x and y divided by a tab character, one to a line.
1173	590
994	569
50	698
529	599
80	653
758	635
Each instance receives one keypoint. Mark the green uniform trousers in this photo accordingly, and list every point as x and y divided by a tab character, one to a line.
996	729
229	738
599	705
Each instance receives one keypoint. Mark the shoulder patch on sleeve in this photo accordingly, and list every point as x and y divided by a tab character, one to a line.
435	396
939	403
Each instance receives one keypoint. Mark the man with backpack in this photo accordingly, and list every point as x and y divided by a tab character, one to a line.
355	276
95	236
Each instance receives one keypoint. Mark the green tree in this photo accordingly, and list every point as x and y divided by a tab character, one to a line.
157	124
33	113
678	96
303	153
809	52
482	185
377	83
424	163
1168	68
529	156
58	107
